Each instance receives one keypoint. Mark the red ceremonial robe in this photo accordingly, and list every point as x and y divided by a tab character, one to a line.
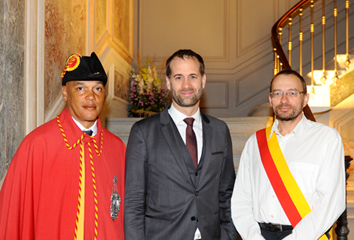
39	197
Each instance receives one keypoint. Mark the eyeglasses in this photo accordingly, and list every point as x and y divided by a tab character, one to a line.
290	94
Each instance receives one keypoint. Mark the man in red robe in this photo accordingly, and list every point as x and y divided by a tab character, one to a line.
64	183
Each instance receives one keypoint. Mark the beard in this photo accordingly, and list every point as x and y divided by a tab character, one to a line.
177	97
286	117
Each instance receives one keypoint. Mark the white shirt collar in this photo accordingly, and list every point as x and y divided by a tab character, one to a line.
299	128
82	128
178	117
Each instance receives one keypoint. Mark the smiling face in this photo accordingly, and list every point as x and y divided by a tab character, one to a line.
84	100
186	84
288	108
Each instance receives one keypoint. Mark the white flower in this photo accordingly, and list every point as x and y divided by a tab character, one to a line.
154	72
141	87
148	71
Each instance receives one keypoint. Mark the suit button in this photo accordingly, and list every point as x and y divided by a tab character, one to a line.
193	218
196	193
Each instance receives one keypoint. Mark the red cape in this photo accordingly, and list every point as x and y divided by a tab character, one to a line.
39	197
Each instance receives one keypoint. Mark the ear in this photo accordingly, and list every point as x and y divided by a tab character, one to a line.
168	83
203	81
306	99
270	100
64	93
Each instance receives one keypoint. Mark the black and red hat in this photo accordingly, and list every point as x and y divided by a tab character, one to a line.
83	68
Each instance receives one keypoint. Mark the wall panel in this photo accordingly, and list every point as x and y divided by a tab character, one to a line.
233	37
216	95
171	25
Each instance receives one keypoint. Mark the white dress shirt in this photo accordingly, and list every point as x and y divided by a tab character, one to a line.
315	156
93	127
178	118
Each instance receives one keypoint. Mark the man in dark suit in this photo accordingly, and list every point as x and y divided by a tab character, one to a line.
176	188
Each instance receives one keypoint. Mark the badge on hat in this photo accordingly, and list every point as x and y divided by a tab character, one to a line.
83	68
71	64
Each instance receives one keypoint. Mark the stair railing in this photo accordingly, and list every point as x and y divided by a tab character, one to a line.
299	26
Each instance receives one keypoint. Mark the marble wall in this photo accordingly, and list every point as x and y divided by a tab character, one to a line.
12	14
65	34
31	96
121	85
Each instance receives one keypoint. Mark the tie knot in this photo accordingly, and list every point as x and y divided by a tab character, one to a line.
189	121
88	132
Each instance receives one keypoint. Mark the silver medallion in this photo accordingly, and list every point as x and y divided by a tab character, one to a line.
115	200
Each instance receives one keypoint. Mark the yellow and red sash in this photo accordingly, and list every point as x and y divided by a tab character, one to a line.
284	185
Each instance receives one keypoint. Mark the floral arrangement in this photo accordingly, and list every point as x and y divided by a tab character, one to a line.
147	94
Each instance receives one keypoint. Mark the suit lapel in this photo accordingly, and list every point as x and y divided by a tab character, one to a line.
207	145
173	139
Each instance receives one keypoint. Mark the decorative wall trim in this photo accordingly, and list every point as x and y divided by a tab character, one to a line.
90	25
55	109
342	113
244	49
220	101
108	37
224	55
125	51
113	107
34	65
250	76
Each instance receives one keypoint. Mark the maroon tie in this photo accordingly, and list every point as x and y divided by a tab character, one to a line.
191	140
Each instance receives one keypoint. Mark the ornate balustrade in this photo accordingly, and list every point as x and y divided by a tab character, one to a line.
299	40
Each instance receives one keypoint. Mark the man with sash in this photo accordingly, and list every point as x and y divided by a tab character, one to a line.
66	180
291	179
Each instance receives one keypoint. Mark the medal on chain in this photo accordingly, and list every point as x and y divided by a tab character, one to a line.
115	200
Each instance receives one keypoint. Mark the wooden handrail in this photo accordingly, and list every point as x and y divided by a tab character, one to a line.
293	12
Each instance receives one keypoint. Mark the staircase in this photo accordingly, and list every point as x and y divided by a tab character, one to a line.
327	95
241	129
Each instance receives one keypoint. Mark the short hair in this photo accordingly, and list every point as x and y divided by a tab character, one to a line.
290	72
185	53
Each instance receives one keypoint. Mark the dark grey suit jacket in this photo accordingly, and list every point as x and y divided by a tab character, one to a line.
166	197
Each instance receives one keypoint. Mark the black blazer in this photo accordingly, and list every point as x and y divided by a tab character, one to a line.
166	197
